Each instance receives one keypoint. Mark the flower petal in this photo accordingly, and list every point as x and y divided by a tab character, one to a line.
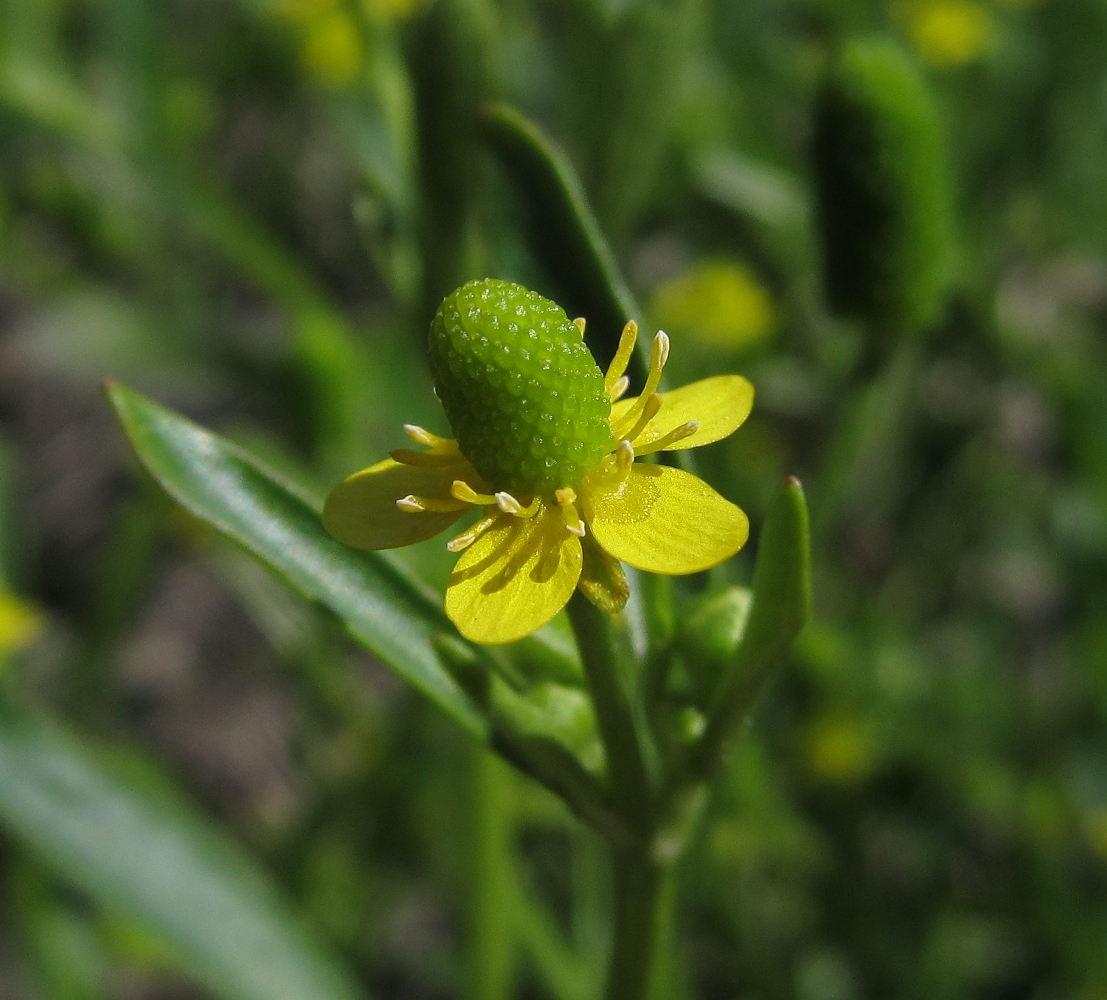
361	510
514	578
720	404
663	520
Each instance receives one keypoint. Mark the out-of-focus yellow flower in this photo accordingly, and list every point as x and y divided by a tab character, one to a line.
839	750
333	52
20	623
950	33
536	417
395	10
721	304
1095	829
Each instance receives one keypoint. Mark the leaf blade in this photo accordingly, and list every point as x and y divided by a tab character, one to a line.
154	860
385	610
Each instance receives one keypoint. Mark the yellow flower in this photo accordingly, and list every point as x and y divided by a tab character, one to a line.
521	561
951	33
721	303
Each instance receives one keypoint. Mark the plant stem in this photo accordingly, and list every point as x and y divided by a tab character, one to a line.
643	897
490	946
609	663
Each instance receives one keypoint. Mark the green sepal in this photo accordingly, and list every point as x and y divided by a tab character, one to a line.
602	578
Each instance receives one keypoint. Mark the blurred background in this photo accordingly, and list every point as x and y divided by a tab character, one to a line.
248	209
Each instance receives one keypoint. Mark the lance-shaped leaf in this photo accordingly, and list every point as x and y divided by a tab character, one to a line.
389	613
150	857
781	607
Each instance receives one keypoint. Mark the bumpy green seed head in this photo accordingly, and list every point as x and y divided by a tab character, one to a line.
883	192
523	394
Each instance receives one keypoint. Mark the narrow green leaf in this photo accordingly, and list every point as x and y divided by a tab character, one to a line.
386	611
565	235
152	859
781	607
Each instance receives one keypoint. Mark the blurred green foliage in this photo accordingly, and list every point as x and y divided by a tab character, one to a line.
249	210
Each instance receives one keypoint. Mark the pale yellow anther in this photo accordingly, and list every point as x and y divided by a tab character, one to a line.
649	411
619	389
461	490
566	499
579	324
459	543
422	436
416	505
625	349
509	505
624	456
675	435
659	354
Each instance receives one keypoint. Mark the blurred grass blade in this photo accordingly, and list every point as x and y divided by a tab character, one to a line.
781	607
565	235
387	612
152	859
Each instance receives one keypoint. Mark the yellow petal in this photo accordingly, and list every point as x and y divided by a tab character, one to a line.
720	404
663	520
361	510
514	578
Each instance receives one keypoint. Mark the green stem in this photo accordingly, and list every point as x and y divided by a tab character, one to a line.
609	663
491	942
643	899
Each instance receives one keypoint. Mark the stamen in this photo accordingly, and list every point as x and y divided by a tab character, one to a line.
459	543
407	456
675	435
624	456
619	389
422	436
566	499
649	411
619	363
415	505
461	490
579	324
509	505
659	354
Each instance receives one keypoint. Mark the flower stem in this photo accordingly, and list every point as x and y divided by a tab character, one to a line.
643	898
609	665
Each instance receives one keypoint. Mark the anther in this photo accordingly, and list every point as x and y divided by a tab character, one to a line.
509	505
566	500
422	436
413	505
459	543
622	355
579	324
659	354
624	456
618	390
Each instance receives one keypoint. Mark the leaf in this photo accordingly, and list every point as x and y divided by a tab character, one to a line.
386	611
781	607
565	234
152	859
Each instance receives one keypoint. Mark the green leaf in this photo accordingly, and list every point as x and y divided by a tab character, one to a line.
152	859
781	607
386	611
565	235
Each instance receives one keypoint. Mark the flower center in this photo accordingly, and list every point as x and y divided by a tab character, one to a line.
522	392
